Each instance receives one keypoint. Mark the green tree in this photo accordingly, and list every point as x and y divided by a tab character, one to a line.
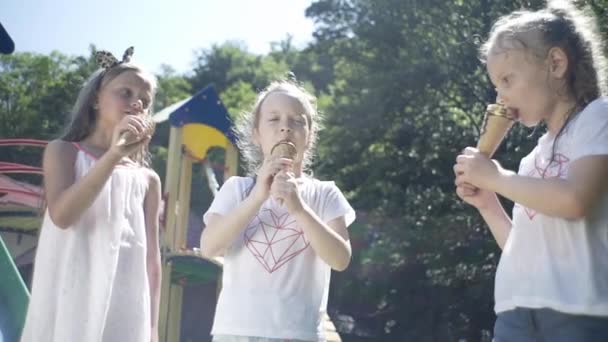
36	96
226	64
408	93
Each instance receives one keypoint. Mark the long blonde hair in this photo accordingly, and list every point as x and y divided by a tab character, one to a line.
84	115
559	25
246	124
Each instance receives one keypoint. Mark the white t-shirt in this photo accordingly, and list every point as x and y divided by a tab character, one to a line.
274	284
551	262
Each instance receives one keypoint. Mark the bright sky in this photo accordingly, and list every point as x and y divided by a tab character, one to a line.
162	31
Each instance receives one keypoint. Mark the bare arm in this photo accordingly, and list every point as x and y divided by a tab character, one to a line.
497	219
330	241
153	262
221	230
570	198
487	203
66	197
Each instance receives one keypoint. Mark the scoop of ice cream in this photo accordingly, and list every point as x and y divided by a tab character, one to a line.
499	110
284	149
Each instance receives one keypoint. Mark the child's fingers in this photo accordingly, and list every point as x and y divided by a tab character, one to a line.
283	183
459	192
469	191
458	180
462	191
470	151
129	126
277	169
268	169
276	189
139	124
284	162
458	169
462	159
130	148
468	186
462	181
461	178
281	175
275	162
133	128
281	164
146	139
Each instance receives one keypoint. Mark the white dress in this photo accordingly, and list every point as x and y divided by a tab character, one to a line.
90	281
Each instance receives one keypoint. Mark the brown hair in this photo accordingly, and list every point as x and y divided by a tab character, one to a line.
84	115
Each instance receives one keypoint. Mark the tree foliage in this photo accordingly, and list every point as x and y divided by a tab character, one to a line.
402	91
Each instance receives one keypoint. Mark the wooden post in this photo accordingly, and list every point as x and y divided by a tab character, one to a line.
170	294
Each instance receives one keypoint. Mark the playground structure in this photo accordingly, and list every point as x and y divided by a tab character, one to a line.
20	207
197	124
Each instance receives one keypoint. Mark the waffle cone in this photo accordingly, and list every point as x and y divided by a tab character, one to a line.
496	124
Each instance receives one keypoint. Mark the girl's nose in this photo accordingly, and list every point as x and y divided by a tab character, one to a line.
285	126
137	104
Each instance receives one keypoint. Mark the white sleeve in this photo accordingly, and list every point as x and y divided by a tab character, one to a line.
226	199
336	205
590	135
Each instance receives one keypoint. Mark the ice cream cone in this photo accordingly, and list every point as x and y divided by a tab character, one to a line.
284	149
496	123
129	137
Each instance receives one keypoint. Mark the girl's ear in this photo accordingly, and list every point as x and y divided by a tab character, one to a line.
558	62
